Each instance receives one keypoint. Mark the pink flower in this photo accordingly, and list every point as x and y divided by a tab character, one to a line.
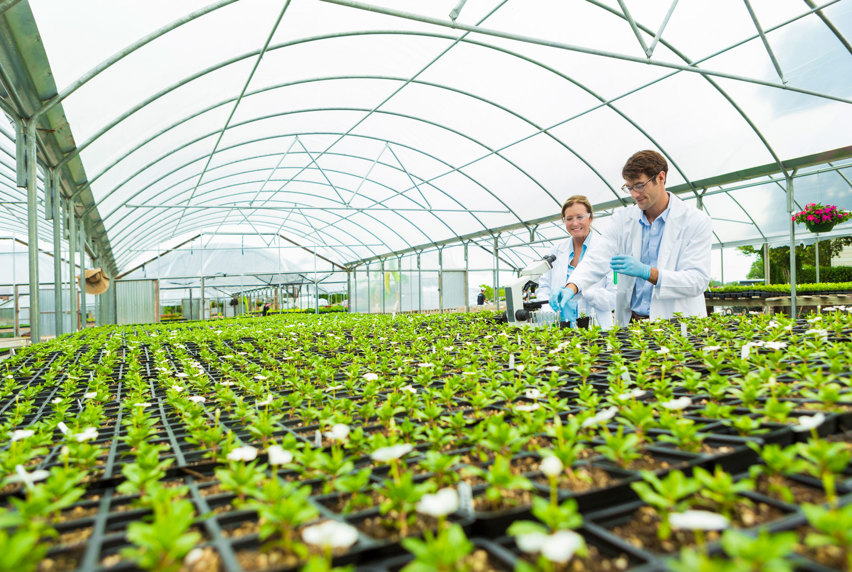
826	218
811	217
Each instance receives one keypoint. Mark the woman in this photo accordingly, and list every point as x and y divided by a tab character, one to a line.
598	302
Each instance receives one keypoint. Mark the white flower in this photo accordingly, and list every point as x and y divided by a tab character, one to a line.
198	399
663	350
698	520
601	417
338	432
22	434
22	476
261	377
527	407
712	348
87	434
371	376
632	394
409	388
145	404
532	393
776	345
279	455
268	401
63	428
426	364
56	400
181	374
806	423
442	503
561	546
177	388
818	332
193	556
677	404
244	453
331	534
90	395
386	454
552	368
531	543
745	351
551	466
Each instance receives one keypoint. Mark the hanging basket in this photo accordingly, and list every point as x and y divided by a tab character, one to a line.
820	226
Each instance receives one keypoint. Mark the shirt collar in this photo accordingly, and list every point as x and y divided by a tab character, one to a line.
663	215
586	243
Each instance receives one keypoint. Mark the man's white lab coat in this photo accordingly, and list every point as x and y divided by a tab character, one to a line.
683	261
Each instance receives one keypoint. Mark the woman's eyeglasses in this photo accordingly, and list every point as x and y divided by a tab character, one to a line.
579	218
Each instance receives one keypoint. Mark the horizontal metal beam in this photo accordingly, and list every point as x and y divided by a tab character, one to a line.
306	208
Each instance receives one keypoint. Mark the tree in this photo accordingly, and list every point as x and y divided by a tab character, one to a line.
779	258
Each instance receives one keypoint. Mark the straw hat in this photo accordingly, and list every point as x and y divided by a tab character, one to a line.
97	282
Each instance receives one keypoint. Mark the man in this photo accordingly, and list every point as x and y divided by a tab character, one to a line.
480	298
659	247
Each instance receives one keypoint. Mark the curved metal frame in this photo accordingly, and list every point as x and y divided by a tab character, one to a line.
470	29
356	136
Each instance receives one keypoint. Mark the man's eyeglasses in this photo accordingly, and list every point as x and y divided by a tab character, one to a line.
638	186
579	218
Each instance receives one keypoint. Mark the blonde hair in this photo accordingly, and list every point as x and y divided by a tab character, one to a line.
577	199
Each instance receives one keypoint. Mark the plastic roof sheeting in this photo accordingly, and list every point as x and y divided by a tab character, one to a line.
369	129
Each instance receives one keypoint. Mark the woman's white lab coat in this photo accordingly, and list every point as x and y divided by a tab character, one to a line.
597	302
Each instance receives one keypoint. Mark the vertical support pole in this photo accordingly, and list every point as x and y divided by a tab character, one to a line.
15	320
790	204
53	176
369	290
496	276
816	256
441	279
72	273
84	320
722	261
399	284
203	299
419	285
466	280
348	289
766	279
17	317
383	284
32	227
316	284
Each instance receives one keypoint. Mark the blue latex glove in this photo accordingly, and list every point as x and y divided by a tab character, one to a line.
628	265
569	310
555	297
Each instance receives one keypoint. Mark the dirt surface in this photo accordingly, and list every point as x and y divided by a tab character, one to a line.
594	562
641	530
801	493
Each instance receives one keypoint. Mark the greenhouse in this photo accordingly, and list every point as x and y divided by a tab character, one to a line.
282	286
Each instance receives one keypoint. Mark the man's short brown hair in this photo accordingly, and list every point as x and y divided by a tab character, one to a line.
571	201
648	163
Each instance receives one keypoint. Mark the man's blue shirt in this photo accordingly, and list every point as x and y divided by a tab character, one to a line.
652	233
